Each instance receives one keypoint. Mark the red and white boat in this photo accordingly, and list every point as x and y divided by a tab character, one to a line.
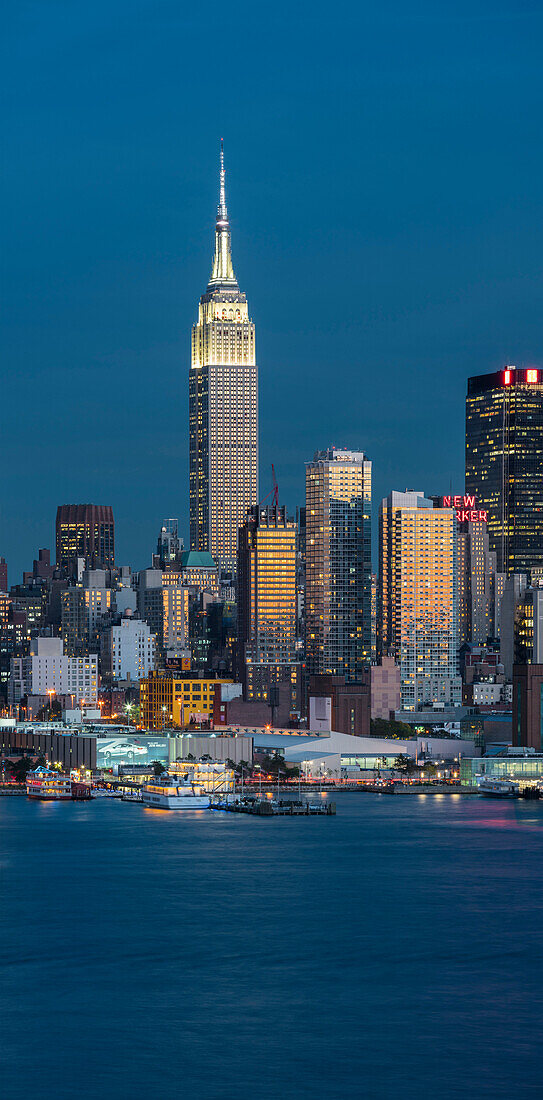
48	785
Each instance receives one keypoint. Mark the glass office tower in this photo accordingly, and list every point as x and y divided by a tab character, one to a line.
504	463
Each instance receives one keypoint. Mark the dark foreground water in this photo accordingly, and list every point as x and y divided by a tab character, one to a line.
392	951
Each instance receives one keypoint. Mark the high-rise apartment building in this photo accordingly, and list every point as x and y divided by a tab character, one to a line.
128	650
14	640
338	564
418	620
164	605
81	609
85	531
504	463
223	407
266	649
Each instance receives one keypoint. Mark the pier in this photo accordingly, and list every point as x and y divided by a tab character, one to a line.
268	808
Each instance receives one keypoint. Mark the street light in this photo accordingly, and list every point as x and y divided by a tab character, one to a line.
50	693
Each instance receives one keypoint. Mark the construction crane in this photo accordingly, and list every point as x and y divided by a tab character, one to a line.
274	491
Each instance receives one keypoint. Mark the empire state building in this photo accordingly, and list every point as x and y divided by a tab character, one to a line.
223	406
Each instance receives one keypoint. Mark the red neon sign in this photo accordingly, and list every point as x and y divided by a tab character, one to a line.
507	377
466	509
532	375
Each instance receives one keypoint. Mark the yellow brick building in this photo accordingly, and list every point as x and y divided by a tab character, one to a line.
173	699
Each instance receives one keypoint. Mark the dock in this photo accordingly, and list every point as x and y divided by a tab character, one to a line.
266	807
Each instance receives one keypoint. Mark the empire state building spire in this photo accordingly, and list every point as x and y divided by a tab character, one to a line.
222	272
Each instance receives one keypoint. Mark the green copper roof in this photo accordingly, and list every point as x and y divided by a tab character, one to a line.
197	559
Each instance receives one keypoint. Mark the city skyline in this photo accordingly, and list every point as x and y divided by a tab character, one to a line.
392	240
271	549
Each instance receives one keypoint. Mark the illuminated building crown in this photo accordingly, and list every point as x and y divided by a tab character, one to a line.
222	272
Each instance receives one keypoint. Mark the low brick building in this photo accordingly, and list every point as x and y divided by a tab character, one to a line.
350	704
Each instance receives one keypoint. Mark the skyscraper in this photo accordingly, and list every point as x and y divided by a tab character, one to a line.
418	622
85	531
480	586
338	564
266	650
504	463
223	407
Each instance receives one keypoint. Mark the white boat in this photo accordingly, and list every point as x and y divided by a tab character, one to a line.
169	793
498	788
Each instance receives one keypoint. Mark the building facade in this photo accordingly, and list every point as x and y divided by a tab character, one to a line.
480	586
81	609
513	595
419	598
335	705
223	407
14	641
338	564
528	706
197	570
528	628
164	605
168	699
504	463
128	650
385	688
85	531
266	570
47	670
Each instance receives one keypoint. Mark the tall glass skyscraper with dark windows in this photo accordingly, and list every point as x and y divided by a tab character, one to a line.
504	463
223	407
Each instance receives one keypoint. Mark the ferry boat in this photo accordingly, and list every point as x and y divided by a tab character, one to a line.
170	793
498	788
48	785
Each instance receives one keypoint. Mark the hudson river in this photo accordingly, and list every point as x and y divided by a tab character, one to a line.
394	951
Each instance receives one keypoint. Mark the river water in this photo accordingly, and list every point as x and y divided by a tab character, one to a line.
392	951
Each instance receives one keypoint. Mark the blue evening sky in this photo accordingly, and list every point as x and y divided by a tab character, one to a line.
384	186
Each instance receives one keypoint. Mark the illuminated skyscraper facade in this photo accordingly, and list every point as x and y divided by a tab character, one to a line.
504	463
223	407
266	651
338	564
418	620
85	531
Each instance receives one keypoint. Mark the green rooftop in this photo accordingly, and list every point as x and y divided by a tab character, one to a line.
197	559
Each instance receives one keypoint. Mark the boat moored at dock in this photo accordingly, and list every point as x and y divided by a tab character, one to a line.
48	785
498	788
169	793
